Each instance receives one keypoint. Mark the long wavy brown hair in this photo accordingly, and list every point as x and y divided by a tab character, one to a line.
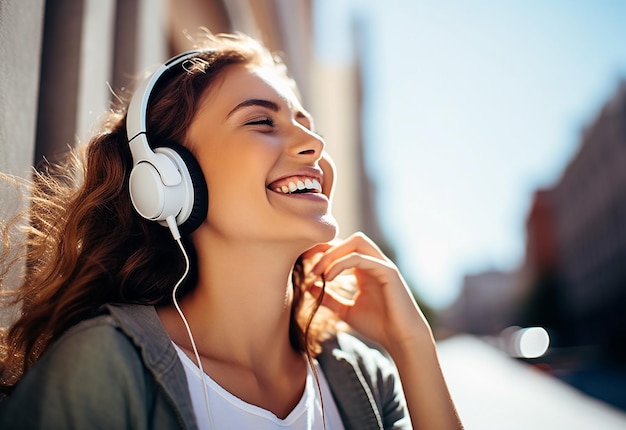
82	243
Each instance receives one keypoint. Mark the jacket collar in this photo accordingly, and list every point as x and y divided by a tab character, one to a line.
143	326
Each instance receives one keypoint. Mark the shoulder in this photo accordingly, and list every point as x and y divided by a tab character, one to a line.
122	341
94	345
91	370
93	351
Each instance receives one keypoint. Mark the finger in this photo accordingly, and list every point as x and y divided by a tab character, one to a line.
333	301
357	261
319	248
358	243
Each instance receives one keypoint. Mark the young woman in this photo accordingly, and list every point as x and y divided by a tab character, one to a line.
175	281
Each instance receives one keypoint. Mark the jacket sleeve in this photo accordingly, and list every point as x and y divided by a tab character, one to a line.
365	385
91	378
381	375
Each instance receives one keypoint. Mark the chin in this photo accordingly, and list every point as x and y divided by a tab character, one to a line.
326	229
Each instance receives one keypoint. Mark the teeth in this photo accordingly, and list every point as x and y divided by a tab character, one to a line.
295	185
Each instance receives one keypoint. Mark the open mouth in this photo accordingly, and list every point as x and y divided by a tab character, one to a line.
296	185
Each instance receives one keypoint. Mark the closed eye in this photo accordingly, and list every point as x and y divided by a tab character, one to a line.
262	121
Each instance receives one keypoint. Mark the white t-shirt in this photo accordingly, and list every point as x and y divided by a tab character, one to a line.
230	412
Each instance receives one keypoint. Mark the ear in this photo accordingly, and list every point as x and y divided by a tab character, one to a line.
328	167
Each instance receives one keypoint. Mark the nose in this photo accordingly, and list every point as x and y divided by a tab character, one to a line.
306	142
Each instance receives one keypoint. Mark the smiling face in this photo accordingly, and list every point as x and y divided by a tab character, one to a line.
267	174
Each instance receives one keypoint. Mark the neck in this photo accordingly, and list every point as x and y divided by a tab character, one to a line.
240	309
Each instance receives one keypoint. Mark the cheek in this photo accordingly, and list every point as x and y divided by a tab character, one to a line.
234	213
236	191
236	172
244	166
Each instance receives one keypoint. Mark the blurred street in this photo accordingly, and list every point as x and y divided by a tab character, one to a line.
495	392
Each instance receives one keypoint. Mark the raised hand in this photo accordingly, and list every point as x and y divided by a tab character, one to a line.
382	308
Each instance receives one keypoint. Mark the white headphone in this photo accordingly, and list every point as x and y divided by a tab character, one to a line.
166	183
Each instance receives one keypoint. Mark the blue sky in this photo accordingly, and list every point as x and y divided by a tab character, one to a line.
471	106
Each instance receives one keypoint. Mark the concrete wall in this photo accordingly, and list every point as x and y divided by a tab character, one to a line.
21	25
20	50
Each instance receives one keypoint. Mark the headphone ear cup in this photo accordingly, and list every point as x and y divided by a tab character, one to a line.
196	204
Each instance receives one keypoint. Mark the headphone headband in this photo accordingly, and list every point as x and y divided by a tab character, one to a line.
137	116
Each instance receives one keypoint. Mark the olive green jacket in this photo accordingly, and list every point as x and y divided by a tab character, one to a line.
119	370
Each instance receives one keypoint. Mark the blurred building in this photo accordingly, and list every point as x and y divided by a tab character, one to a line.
573	277
540	302
589	204
485	305
492	300
541	246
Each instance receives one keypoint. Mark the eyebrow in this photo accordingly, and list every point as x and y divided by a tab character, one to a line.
255	102
270	105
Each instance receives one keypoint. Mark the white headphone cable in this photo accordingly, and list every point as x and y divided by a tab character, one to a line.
193	343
